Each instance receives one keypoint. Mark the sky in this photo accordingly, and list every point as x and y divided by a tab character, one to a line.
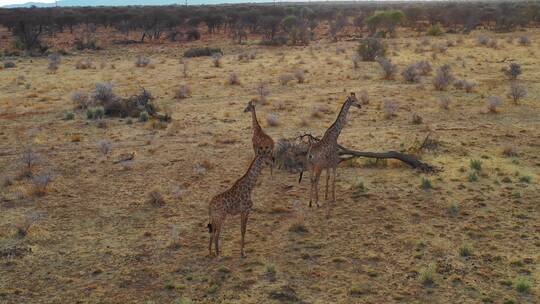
8	2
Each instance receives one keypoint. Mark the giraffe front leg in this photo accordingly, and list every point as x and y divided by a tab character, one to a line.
243	226
316	186
311	183
216	237
334	184
327	180
212	234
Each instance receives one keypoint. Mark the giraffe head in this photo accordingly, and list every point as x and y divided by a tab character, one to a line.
250	107
353	100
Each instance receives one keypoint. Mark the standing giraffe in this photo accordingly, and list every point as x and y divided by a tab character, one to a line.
324	154
262	143
235	200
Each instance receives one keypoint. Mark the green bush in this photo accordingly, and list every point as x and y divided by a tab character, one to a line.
200	52
143	116
371	48
434	30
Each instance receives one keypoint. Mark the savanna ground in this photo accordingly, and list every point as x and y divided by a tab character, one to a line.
98	240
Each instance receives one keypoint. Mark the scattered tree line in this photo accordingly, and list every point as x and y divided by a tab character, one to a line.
276	24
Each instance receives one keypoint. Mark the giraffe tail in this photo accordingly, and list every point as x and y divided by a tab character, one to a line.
300	178
210	228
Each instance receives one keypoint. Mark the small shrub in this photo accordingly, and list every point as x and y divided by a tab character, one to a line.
298	228
466	85
517	92
492	43
523	285
390	108
465	251
371	48
143	116
28	161
69	116
411	73
84	64
443	78
216	59
483	40
513	71
427	276
434	30
193	34
103	93
453	209
444	102
476	164
285	79
424	67
40	184
80	100
389	69
363	97
8	64
155	198
472	177
142	61
426	184
272	120
510	151
233	79
300	76
23	225
95	112
105	146
493	102
202	52
524	41
54	62
416	119
525	179
183	92
262	91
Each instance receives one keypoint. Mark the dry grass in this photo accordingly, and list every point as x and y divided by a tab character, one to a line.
392	242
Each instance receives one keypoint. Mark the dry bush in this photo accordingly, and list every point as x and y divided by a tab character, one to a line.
443	78
261	88
356	59
300	76
371	48
389	108
272	120
54	62
81	100
291	154
285	79
439	48
340	50
510	151
41	183
84	64
524	41
363	97
28	161
103	94
512	71
216	59
246	56
493	102
483	40
388	68
9	64
517	92
493	43
142	61
466	85
23	225
416	119
233	79
424	67
444	102
183	92
411	73
105	146
155	198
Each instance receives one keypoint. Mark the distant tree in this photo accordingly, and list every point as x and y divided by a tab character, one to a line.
384	22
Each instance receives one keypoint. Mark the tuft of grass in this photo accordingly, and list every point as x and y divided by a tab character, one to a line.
298	228
525	179
143	116
476	164
523	285
155	198
426	184
472	177
465	250
453	209
427	276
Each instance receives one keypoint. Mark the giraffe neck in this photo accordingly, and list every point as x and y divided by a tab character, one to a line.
333	132
254	120
250	177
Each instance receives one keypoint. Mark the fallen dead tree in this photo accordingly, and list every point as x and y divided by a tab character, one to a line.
291	155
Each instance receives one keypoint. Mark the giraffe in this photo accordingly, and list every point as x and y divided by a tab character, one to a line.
324	154
235	200
262	143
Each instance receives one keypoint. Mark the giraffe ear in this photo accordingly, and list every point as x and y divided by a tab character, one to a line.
352	94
